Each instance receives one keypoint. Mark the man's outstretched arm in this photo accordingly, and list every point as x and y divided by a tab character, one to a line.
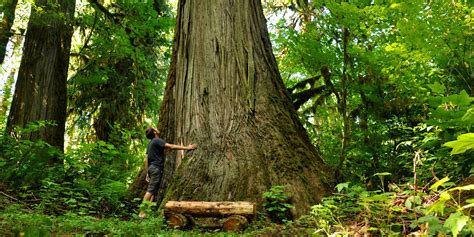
178	147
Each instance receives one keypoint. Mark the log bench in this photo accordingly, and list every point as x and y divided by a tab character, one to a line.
230	216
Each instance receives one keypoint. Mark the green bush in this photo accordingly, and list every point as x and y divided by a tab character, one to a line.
400	211
90	179
25	162
277	204
18	223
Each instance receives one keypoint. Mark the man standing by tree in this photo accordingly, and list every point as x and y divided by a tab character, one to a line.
155	161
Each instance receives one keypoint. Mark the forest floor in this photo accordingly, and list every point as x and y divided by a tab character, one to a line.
19	217
16	219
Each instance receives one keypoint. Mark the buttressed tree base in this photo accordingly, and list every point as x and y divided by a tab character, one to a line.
224	92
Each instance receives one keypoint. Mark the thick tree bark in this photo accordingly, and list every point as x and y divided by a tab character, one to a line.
8	10
224	92
40	92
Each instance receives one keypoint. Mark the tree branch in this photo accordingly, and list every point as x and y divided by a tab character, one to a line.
9	196
321	98
327	80
102	9
302	84
302	97
90	34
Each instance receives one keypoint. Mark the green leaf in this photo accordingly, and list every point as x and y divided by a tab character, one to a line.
465	188
395	5
433	221
444	196
456	222
438	207
461	99
424	219
463	143
412	202
435	101
437	88
342	186
378	197
382	174
469	116
439	183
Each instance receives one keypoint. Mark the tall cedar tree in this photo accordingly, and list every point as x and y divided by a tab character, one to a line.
225	93
40	92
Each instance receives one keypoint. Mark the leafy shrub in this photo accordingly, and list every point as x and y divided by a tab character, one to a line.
90	179
448	203
450	117
95	182
277	204
25	162
400	211
16	223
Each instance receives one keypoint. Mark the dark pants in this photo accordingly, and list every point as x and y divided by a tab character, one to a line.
155	173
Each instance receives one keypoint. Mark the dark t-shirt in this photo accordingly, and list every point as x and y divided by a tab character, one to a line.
156	152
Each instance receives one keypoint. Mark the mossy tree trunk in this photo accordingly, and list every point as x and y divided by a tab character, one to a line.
224	92
8	9
40	92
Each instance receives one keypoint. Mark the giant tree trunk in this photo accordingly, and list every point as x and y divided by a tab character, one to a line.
8	9
224	92
40	92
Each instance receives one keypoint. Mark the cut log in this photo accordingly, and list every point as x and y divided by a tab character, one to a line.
235	223
211	209
177	221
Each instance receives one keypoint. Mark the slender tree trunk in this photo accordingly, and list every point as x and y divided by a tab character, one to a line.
5	100
40	92
7	93
224	92
8	9
342	106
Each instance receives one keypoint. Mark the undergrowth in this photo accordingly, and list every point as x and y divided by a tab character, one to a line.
15	221
401	210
